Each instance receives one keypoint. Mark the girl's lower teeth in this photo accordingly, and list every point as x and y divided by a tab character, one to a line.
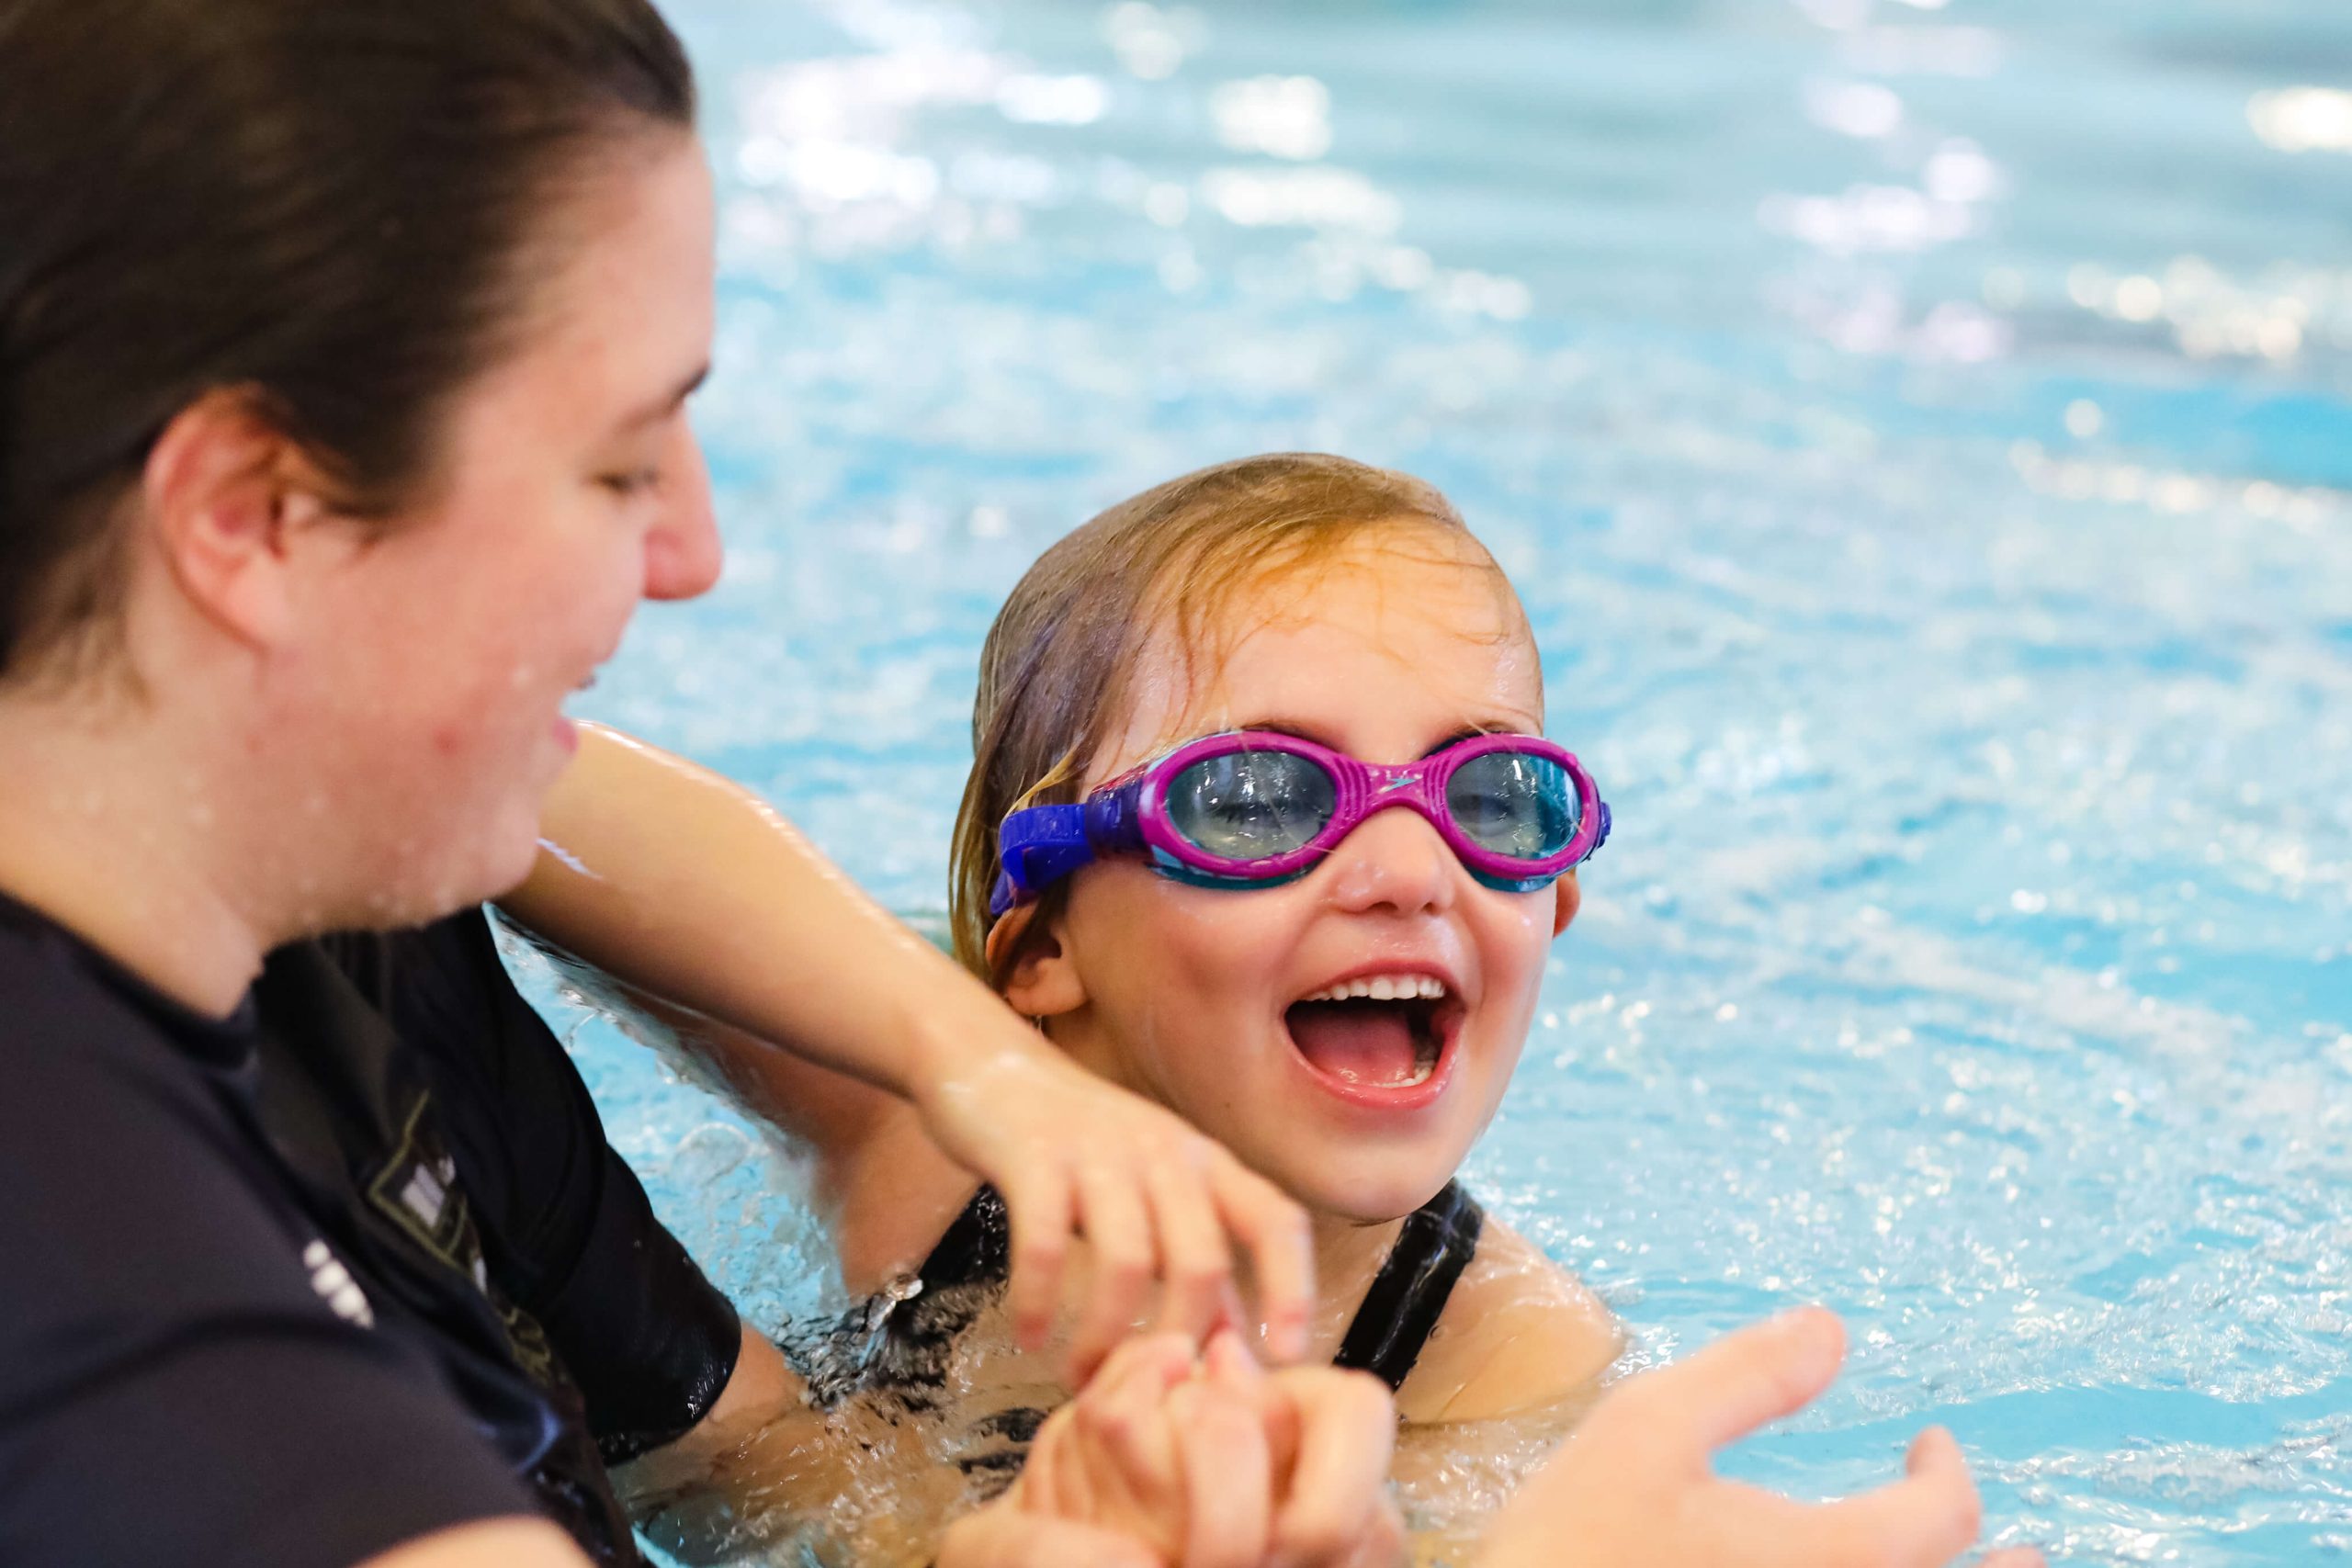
1426	1052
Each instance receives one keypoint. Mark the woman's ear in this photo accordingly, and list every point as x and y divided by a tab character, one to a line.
226	489
1568	898
1043	981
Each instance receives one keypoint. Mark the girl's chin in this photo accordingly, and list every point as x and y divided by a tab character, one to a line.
1374	1213
1369	1189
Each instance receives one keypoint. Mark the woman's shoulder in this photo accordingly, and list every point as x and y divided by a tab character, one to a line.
1520	1333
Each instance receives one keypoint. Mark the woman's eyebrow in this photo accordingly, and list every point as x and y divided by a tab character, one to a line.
662	408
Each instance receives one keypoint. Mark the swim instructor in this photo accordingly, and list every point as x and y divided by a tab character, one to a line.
345	350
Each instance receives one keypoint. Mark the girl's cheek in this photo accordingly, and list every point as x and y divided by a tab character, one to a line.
1218	924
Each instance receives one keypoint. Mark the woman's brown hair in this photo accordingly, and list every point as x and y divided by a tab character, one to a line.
1059	661
334	208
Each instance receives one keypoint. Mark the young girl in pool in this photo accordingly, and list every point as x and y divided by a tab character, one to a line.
1286	854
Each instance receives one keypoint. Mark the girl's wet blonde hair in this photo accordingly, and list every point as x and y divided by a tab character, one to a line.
1056	669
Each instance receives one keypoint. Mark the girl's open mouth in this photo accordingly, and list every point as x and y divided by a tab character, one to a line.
1383	1041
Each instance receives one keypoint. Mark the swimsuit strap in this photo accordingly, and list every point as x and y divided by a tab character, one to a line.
1396	1320
976	1249
1405	1300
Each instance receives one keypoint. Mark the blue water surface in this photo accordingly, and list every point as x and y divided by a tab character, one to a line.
1921	431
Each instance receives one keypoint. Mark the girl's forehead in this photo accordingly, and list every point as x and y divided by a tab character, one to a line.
1375	650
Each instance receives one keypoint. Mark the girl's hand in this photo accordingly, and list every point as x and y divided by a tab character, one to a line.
1634	1488
1153	1197
1000	1536
1332	1434
1165	1459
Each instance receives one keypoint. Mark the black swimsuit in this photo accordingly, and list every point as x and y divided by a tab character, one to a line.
1408	1297
1398	1315
904	1350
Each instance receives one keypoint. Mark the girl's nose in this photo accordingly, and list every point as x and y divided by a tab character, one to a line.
1394	860
682	550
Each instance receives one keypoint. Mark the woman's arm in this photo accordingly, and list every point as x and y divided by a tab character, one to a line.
687	887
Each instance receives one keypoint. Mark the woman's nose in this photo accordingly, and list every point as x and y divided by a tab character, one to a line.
681	551
1395	860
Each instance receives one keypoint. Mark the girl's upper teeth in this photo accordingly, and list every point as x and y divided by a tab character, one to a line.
1383	988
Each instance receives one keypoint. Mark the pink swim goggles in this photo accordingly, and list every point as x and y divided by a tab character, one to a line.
1250	809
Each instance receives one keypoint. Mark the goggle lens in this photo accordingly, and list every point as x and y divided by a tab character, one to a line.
1514	804
1254	806
1247	806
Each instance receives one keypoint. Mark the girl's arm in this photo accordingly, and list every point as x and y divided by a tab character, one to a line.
684	886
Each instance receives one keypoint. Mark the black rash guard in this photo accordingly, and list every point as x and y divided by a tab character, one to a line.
349	1267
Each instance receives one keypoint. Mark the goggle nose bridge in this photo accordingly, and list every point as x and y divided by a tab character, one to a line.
1396	784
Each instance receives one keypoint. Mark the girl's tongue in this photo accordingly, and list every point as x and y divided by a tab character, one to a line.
1361	1042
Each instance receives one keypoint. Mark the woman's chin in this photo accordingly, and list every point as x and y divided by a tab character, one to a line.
468	870
508	862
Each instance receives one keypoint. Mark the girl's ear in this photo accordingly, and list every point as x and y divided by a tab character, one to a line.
1043	982
1567	899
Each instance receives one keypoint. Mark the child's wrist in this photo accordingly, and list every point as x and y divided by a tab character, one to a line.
963	1051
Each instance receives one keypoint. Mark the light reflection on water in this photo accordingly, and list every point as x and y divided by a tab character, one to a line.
1922	433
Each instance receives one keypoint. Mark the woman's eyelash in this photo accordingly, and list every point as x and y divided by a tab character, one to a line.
630	482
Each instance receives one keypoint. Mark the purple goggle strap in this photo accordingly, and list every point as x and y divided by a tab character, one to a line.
1041	844
1038	845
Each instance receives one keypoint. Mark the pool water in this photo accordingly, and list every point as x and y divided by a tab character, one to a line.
1921	431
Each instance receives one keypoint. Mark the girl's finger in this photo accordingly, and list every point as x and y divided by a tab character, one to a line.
1040	1209
1196	1263
1231	1313
1231	1365
1156	1362
1124	1416
1381	1545
1119	1247
1346	1428
2015	1557
1087	1458
1000	1537
1227	1486
1042	1487
1273	1230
